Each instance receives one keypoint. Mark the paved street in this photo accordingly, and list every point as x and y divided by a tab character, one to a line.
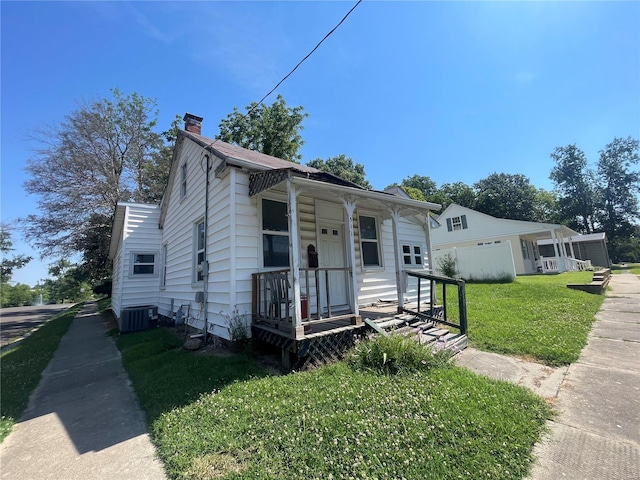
15	322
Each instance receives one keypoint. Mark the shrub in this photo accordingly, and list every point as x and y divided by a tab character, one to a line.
236	326
395	354
447	266
500	278
103	289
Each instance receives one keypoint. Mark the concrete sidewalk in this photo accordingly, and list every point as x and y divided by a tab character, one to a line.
83	420
596	434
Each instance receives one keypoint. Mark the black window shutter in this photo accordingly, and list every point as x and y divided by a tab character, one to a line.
449	227
464	221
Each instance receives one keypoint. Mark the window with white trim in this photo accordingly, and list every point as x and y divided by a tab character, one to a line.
183	180
143	263
275	233
412	255
198	257
369	241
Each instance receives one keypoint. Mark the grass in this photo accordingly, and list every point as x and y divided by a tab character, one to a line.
104	304
166	376
628	268
223	417
21	367
535	317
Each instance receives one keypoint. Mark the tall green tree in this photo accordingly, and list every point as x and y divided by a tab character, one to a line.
620	185
68	284
343	167
9	262
272	130
505	195
423	183
546	207
102	153
575	187
459	193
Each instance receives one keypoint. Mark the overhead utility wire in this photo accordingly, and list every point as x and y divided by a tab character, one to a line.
307	56
299	63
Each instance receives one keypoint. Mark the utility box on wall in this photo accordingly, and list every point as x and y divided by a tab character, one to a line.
133	319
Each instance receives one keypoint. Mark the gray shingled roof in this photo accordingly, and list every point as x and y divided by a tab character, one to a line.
226	150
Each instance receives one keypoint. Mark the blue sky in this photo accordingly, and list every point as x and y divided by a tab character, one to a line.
451	90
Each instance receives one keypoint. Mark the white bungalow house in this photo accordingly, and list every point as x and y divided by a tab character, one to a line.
240	232
486	246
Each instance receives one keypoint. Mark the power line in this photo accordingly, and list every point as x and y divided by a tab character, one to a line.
307	56
298	64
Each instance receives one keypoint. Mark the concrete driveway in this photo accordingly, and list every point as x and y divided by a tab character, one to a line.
17	321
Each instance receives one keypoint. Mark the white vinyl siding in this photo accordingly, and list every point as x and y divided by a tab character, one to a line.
135	274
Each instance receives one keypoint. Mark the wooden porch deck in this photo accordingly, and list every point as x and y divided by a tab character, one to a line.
330	340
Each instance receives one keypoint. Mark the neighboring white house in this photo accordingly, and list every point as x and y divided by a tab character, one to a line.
492	247
591	247
136	250
230	217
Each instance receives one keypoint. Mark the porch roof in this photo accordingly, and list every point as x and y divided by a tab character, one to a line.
326	186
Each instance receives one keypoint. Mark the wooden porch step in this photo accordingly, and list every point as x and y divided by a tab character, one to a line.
436	332
394	322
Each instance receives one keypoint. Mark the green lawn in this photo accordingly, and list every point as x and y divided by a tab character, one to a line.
535	316
628	268
21	367
223	417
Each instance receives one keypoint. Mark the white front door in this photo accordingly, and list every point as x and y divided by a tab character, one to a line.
331	254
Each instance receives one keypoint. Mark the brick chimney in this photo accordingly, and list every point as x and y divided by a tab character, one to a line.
192	123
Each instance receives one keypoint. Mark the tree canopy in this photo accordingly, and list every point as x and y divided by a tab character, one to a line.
104	152
9	264
506	195
343	167
574	183
619	186
270	129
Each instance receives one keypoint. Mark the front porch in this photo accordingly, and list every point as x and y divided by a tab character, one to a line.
562	264
328	335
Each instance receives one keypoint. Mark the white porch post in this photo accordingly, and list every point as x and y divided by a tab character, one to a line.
349	208
573	255
556	248
427	237
294	258
395	217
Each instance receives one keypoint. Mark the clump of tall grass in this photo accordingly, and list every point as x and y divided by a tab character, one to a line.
397	354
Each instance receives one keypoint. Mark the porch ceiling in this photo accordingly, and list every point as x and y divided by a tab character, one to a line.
264	180
324	186
545	232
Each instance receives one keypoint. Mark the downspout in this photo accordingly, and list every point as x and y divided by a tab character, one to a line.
205	266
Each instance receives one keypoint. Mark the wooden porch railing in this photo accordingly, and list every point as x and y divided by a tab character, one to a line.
440	313
550	264
272	297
